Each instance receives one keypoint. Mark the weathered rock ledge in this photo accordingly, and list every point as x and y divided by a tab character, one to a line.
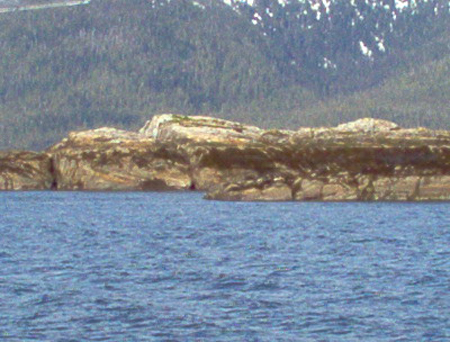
20	170
366	159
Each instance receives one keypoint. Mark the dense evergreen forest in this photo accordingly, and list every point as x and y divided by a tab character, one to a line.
271	63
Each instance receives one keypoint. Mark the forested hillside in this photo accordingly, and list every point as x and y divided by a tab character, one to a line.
419	97
283	64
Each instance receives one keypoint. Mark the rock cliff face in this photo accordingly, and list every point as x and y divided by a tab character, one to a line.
111	159
217	150
366	159
25	171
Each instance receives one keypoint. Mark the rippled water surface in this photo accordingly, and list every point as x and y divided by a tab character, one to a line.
173	267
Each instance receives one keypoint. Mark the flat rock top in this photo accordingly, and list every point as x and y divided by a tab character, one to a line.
198	128
104	135
171	128
368	125
371	132
168	127
20	156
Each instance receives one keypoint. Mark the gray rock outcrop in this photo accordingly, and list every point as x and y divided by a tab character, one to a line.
364	160
367	159
111	159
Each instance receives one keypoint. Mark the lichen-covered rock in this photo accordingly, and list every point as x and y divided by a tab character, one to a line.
277	191
434	188
220	163
20	170
171	127
338	192
219	151
368	125
364	160
309	190
396	188
111	159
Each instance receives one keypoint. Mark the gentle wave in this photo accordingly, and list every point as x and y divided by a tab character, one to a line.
172	267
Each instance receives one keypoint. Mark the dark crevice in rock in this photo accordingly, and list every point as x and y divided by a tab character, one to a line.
192	187
416	192
52	170
54	185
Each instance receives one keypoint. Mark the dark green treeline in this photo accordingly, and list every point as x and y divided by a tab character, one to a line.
118	62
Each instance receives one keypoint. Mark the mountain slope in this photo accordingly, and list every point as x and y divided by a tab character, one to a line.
290	64
419	97
116	62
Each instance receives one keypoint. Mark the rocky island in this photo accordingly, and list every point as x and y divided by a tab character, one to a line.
364	160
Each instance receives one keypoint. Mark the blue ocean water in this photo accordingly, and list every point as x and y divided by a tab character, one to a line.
80	266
